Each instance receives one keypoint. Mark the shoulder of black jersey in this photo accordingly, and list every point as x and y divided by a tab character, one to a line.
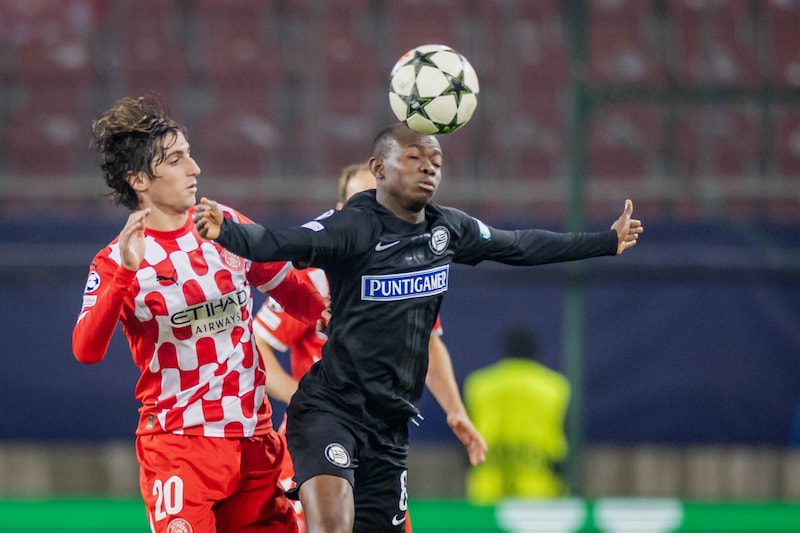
362	199
451	213
356	213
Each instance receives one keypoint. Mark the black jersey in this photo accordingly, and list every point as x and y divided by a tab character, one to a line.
387	279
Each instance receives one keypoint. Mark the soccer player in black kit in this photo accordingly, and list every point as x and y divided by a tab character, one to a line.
387	255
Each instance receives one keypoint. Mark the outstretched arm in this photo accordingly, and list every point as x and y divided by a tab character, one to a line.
441	382
249	240
627	228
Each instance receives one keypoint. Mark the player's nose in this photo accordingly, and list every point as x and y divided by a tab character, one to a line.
427	167
194	168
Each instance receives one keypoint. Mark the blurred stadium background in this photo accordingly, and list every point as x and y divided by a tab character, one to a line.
684	354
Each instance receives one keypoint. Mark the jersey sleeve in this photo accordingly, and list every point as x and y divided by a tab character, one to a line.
438	330
299	299
528	247
321	242
107	288
257	243
278	279
276	327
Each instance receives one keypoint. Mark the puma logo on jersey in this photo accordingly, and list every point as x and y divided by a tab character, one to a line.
168	280
381	246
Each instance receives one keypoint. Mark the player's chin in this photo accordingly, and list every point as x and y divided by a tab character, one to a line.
418	204
190	201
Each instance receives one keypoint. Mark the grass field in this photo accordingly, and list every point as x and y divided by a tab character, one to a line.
428	516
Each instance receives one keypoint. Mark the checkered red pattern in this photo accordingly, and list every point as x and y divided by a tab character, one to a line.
186	314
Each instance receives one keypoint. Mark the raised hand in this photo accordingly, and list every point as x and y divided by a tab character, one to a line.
208	218
131	240
627	228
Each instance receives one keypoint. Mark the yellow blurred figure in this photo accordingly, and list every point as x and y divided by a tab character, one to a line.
519	406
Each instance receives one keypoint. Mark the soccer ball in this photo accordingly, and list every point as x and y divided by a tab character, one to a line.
433	89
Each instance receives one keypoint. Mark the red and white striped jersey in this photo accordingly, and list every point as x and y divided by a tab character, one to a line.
285	333
187	315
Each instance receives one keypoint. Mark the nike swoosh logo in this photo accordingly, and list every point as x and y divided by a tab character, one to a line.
396	521
381	246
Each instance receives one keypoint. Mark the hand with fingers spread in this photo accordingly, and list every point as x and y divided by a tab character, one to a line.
208	218
131	240
627	228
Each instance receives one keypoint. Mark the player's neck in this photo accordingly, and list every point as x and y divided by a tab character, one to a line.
161	220
413	217
413	214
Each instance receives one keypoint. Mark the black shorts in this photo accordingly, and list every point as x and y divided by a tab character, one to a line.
373	461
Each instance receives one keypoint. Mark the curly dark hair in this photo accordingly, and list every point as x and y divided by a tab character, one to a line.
129	138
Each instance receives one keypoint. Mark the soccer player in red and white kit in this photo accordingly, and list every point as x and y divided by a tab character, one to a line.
277	330
208	455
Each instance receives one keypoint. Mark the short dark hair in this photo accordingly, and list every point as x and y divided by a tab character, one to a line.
397	132
382	142
129	138
521	342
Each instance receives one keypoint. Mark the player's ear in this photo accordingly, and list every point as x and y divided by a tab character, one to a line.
376	167
137	181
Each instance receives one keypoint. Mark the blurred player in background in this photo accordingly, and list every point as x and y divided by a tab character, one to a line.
276	330
208	455
387	255
519	405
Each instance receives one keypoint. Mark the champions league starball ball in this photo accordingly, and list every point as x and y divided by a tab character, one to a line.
433	89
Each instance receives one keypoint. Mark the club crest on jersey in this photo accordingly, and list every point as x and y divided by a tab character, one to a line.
337	455
92	282
179	525
231	260
440	238
406	285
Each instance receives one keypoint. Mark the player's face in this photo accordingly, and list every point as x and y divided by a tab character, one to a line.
412	172
174	190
